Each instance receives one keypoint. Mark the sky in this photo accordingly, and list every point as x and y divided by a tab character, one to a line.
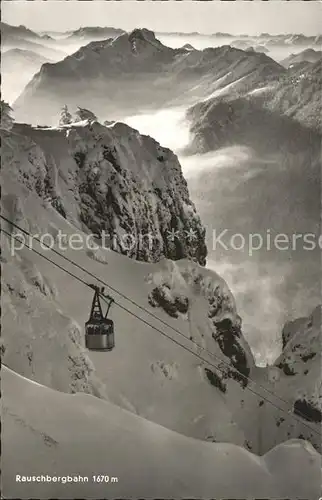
205	17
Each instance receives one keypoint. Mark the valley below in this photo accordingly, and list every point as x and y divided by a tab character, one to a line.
240	190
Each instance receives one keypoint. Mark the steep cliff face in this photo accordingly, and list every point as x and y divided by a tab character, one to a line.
44	310
112	182
38	339
47	186
295	379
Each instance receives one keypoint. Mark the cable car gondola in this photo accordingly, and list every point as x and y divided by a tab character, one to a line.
99	329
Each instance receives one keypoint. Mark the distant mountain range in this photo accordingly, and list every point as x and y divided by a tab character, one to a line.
13	57
289	37
8	32
136	71
20	37
87	31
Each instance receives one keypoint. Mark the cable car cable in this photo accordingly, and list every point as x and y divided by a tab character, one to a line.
142	308
210	353
289	412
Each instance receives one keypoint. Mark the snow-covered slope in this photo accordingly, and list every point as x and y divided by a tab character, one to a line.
47	432
146	373
134	72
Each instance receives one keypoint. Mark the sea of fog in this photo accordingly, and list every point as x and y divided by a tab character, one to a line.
13	85
270	288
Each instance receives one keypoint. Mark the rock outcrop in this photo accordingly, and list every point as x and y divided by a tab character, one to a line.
112	182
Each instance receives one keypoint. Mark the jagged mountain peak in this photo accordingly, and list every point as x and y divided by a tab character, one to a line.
112	51
143	34
141	39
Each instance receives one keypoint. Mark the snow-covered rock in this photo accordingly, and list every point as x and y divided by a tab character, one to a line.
110	179
295	379
85	114
301	364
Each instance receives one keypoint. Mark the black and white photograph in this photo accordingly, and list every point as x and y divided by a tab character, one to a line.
161	250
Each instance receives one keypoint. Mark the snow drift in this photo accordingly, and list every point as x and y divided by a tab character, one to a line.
47	432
